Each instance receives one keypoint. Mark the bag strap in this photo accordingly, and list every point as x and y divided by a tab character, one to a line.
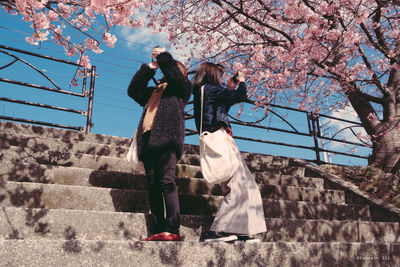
201	116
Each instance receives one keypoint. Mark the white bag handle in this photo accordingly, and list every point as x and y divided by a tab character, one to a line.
201	116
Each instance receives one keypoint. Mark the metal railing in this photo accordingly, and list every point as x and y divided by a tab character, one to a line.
313	132
54	88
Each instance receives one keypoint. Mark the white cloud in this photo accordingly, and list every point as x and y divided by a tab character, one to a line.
148	40
331	127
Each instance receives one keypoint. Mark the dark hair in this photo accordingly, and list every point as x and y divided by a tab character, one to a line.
181	67
207	72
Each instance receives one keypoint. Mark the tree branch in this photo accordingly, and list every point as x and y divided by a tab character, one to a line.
240	11
376	80
378	31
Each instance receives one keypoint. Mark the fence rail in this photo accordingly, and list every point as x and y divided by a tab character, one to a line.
55	88
314	132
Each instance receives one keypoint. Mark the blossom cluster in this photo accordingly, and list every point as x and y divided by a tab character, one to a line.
297	51
291	50
56	20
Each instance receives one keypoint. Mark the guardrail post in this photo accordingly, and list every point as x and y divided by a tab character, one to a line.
90	101
313	118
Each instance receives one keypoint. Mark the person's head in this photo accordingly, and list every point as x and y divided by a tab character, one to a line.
208	72
181	67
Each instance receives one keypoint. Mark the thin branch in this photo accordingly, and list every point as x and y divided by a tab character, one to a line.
378	31
377	81
240	10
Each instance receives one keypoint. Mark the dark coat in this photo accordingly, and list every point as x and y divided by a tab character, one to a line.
217	102
168	129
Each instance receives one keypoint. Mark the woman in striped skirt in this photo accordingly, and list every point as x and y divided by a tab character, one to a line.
240	215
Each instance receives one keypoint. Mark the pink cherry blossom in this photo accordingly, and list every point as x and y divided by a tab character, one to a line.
40	36
52	16
93	45
65	10
31	41
109	39
36	4
84	61
40	21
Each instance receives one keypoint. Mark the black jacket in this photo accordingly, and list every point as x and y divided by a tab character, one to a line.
169	125
217	102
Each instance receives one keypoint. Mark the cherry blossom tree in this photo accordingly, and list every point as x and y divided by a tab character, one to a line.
321	54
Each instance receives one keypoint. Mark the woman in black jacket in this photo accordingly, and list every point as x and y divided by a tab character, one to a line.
160	137
241	214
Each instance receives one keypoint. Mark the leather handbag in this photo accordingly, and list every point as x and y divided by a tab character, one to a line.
218	153
133	158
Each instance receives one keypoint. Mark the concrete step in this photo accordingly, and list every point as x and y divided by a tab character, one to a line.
31	172
52	174
41	144
288	180
78	252
26	155
67	136
67	158
254	161
34	172
51	196
23	223
67	141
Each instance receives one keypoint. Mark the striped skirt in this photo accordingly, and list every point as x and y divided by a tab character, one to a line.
241	211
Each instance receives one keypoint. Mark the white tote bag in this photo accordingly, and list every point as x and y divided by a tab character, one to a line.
218	158
133	158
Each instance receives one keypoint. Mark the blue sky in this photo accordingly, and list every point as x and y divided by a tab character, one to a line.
114	113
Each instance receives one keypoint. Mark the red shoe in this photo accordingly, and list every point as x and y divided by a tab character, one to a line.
164	236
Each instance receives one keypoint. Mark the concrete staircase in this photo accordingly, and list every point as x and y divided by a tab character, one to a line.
71	199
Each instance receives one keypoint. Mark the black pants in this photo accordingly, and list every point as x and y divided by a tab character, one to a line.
160	166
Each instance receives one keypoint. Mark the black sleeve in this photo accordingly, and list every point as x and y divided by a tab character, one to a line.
179	85
138	89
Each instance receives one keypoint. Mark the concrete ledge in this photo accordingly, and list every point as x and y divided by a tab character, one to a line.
52	196
40	173
105	158
380	210
36	223
41	144
65	135
76	252
288	180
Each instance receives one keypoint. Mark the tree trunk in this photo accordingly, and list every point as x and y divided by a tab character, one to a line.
386	151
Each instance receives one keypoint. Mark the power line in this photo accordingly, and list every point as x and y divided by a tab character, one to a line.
93	60
114	106
115	99
54	50
117	45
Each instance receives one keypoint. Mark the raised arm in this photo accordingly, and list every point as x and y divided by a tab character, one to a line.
179	84
230	96
138	89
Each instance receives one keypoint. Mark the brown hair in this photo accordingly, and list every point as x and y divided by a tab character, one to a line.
208	72
182	68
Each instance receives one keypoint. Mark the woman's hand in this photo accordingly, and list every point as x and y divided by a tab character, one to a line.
156	51
240	77
231	84
153	65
